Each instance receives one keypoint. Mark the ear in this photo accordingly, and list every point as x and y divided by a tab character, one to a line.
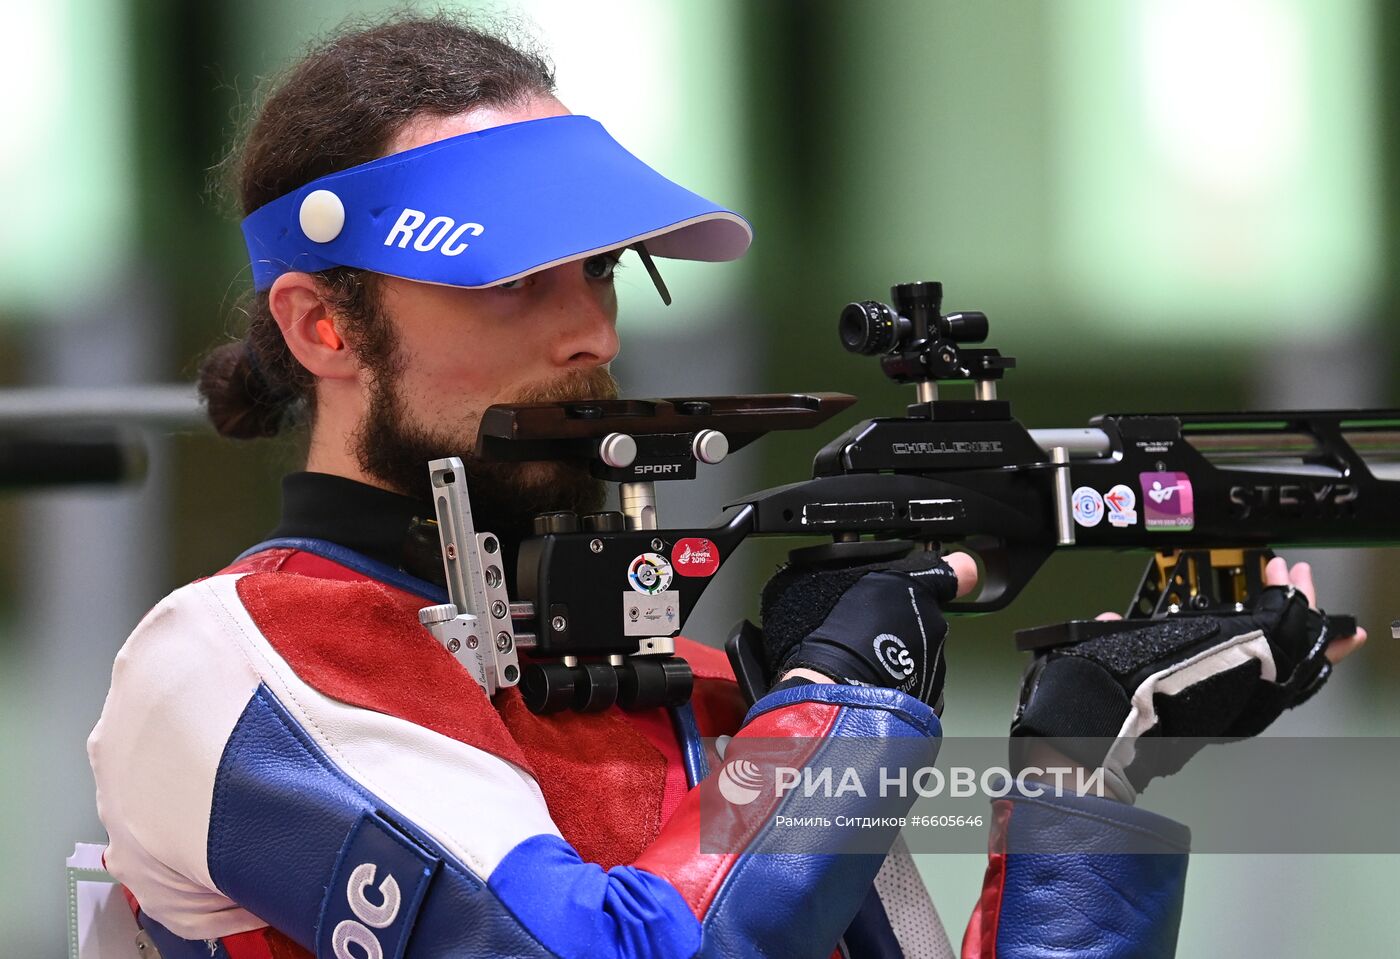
310	327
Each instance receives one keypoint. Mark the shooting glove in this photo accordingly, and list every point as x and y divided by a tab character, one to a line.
873	625
1184	679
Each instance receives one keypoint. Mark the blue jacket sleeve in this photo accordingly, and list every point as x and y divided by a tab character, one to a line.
1079	876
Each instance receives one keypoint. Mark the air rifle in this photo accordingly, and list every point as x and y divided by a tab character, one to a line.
602	596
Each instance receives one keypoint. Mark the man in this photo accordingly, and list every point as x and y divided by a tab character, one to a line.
287	761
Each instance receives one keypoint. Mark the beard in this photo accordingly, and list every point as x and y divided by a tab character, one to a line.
393	448
505	496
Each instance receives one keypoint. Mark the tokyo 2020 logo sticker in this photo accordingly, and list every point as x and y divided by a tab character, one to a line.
1167	501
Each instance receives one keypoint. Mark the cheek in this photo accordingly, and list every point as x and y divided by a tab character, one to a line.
444	377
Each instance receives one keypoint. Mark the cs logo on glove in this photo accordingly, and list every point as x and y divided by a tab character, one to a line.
891	653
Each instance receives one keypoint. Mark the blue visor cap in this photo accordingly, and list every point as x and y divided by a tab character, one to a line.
488	207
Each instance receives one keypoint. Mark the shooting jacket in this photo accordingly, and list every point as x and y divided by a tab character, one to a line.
288	764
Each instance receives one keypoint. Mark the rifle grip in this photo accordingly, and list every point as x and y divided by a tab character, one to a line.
745	650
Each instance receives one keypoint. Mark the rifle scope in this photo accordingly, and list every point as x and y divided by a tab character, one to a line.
869	327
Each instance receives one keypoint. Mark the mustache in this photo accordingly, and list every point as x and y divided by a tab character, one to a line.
593	384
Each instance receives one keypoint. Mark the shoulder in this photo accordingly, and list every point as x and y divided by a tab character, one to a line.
179	686
243	626
352	640
248	689
179	636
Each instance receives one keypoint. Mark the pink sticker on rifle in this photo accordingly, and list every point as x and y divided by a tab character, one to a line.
1167	503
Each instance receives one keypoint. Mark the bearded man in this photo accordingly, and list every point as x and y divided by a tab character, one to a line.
288	763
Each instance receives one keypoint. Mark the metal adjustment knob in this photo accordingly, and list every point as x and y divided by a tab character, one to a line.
710	446
610	521
432	615
618	450
563	521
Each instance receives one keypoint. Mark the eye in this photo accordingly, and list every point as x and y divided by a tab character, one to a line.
515	284
601	266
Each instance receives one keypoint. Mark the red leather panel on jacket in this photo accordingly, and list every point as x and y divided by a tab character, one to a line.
699	875
265	943
980	940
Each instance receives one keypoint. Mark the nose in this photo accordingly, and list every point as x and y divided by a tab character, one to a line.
584	331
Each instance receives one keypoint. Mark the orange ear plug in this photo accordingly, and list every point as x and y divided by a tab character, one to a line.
325	329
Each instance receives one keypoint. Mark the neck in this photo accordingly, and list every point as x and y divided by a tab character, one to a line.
331	449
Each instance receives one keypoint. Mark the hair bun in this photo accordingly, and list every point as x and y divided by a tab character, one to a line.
242	404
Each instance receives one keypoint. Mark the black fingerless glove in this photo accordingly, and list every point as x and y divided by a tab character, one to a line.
1186	678
876	625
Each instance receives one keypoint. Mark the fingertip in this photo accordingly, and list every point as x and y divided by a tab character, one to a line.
966	569
1301	577
1276	572
1342	647
1108	617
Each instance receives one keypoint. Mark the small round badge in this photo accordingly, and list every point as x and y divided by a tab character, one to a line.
649	573
322	216
1088	506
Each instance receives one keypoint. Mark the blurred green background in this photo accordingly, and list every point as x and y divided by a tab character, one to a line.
1184	204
